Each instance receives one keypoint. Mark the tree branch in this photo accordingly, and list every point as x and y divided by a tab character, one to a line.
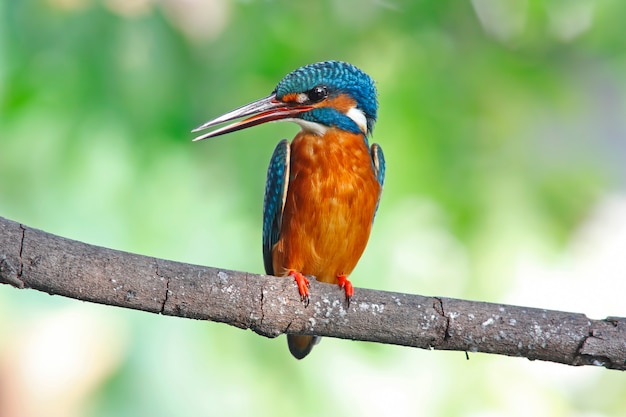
270	306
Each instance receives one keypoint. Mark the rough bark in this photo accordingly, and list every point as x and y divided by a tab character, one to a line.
270	306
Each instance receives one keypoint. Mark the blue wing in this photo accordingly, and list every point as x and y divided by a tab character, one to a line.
378	162
274	201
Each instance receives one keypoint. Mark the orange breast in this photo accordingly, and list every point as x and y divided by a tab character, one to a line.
330	205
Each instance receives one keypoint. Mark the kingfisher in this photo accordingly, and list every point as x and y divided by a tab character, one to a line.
323	188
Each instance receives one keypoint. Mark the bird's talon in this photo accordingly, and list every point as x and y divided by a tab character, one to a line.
303	286
344	283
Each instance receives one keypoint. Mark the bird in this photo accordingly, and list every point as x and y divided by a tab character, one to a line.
323	188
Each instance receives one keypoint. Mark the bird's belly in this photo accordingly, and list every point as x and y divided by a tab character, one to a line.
326	237
327	217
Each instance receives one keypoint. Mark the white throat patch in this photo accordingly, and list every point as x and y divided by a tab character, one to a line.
308	126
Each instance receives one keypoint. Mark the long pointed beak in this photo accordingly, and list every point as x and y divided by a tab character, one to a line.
265	110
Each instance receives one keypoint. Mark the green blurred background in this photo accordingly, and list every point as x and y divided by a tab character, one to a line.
504	128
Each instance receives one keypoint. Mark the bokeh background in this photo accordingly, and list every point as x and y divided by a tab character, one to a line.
504	129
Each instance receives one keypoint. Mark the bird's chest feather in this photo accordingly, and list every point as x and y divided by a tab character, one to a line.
330	205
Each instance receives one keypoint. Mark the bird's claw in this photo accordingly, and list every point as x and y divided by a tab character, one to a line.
303	286
344	283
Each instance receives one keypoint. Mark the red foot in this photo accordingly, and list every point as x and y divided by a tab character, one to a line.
343	282
303	286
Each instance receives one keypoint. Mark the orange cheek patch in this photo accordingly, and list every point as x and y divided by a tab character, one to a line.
342	102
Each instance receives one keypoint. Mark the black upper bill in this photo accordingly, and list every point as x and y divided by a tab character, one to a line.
267	109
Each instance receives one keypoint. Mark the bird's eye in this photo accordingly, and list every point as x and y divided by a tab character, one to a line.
317	93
